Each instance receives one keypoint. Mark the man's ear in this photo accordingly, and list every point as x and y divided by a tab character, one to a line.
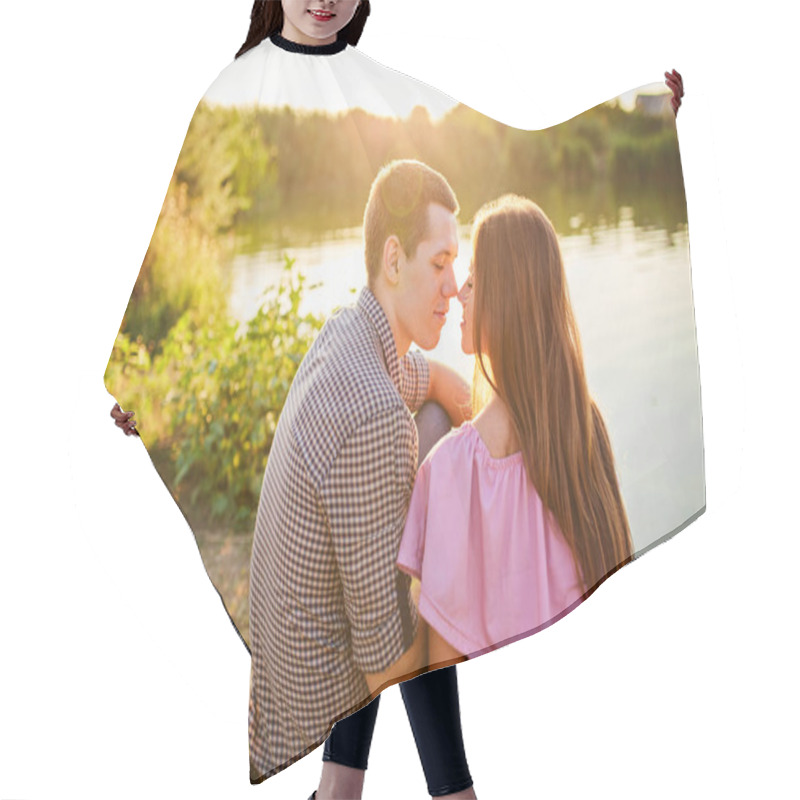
390	265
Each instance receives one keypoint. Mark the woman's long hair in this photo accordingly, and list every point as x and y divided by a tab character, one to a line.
528	349
266	19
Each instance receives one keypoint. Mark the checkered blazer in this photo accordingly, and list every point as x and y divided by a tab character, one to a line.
327	602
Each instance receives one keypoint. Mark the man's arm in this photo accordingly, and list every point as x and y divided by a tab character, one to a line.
366	496
412	660
447	388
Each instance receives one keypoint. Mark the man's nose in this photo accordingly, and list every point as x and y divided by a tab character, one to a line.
450	287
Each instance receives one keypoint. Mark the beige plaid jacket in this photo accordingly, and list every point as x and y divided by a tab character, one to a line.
327	602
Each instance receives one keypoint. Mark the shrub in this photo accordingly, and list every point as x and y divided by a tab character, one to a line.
208	402
230	385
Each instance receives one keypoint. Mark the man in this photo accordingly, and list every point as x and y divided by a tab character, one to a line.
331	617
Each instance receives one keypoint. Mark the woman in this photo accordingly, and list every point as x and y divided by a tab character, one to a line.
517	516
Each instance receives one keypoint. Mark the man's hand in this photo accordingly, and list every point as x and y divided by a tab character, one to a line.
451	392
124	420
675	83
413	660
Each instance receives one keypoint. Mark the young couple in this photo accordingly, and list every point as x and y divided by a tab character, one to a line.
508	523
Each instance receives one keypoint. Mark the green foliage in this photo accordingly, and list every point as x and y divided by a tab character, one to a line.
209	401
135	384
577	162
636	162
222	161
229	386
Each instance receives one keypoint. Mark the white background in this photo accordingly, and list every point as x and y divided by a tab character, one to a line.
120	675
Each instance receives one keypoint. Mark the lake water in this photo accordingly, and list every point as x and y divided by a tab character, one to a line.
632	294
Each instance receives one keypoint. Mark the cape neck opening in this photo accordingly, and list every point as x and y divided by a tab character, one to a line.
308	49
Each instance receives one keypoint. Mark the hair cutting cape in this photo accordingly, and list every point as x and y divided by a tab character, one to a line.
259	241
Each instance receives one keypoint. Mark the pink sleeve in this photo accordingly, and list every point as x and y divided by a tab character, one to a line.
412	545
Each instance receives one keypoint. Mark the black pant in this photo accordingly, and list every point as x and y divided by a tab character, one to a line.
431	701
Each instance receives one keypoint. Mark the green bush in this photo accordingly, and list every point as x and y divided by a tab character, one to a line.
230	384
208	402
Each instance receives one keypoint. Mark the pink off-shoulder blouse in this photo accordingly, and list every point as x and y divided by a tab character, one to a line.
492	563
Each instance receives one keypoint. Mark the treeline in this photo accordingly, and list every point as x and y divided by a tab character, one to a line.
324	165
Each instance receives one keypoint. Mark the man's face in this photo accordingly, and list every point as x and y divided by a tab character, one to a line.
427	282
